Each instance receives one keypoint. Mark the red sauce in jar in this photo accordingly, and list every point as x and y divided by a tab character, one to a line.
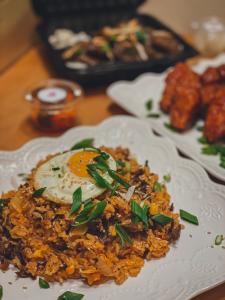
53	104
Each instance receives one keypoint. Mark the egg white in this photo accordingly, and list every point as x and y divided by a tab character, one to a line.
61	184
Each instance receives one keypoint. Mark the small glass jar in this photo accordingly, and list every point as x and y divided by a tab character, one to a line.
53	104
209	35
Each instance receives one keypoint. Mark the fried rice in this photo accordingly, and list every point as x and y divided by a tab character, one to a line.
37	236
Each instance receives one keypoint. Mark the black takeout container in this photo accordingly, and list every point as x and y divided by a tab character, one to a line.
89	16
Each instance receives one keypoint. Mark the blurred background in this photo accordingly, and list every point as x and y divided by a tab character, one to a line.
17	22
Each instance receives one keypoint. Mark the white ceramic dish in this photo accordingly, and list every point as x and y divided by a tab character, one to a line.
132	96
191	265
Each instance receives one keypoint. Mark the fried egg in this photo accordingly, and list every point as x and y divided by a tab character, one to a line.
64	173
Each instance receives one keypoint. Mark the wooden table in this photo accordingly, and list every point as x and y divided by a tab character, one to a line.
16	129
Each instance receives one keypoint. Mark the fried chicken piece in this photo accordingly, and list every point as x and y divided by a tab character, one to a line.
214	75
222	72
185	108
208	93
181	75
214	128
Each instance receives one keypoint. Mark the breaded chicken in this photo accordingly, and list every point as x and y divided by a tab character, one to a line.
185	108
214	128
183	76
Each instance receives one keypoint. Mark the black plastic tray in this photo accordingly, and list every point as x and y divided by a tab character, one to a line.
108	72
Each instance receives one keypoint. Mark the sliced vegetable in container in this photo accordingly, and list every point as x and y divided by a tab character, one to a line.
70	296
39	192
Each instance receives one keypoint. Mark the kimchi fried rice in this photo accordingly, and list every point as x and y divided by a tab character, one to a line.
41	238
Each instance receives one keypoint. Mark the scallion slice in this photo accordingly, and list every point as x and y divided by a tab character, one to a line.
203	140
162	219
38	192
153	115
186	216
157	187
124	237
218	240
70	296
167	178
96	212
86	143
149	105
170	127
1	292
118	179
43	284
77	200
140	212
100	181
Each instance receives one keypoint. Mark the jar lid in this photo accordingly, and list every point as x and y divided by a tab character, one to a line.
54	92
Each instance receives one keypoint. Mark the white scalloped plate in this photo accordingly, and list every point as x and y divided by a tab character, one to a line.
190	267
132	96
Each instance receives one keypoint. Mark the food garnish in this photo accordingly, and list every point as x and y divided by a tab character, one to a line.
161	219
167	178
70	296
140	212
86	143
149	104
43	283
186	216
153	115
124	237
83	218
170	127
39	192
1	292
157	187
77	200
218	240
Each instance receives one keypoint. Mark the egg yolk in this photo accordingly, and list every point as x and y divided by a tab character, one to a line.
78	162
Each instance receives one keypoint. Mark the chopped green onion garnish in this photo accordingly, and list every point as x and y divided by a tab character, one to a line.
96	212
153	115
100	181
39	192
1	292
70	296
149	104
43	284
140	212
120	163
203	140
83	215
220	149
115	188
210	150
188	217
22	174
86	202
218	240
55	168
141	36
170	127
167	178
157	187
118	179
162	219
86	143
77	200
124	237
